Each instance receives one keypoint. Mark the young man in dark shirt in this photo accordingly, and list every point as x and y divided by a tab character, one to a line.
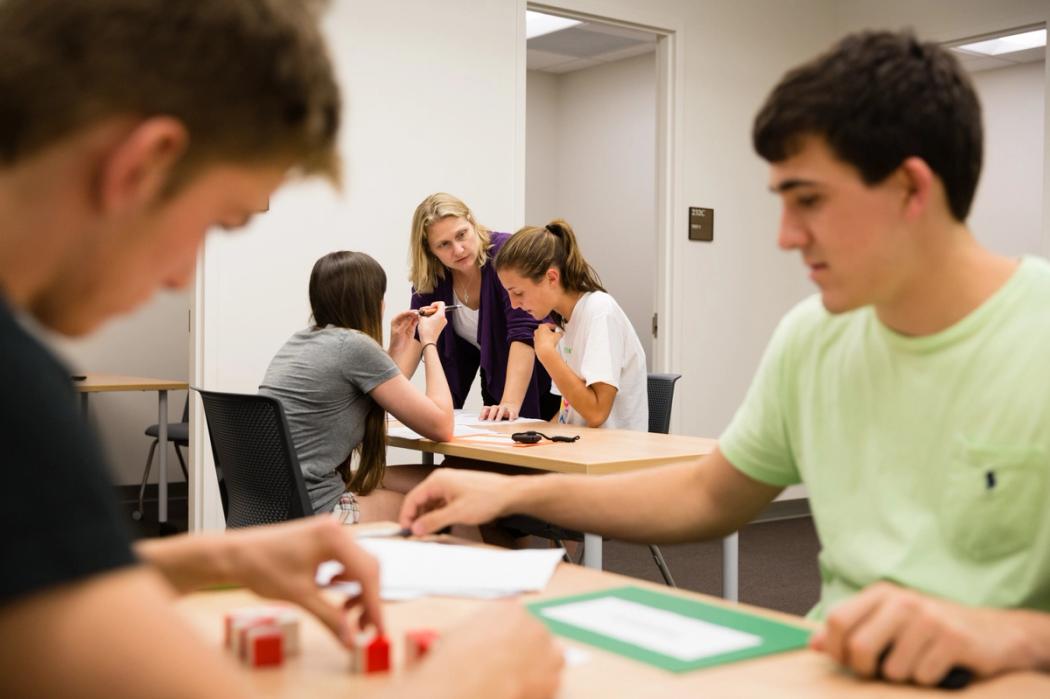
127	129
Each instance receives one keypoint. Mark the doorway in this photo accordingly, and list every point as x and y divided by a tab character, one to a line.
593	152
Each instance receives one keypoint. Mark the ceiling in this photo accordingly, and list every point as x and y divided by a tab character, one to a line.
586	45
976	62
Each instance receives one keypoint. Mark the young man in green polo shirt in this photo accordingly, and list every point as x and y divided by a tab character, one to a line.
911	395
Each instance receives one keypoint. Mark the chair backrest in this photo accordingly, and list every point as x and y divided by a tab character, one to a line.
251	443
661	397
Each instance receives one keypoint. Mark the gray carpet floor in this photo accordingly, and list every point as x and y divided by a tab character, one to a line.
778	564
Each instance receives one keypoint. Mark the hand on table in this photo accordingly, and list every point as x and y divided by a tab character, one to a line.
280	561
503	652
452	496
503	411
431	325
926	636
545	338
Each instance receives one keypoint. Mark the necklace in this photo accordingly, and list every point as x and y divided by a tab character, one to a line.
465	297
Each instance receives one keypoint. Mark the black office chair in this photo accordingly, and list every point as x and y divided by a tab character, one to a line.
178	435
661	398
251	443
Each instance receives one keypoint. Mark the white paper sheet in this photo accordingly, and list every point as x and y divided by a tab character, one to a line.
457	431
415	568
654	629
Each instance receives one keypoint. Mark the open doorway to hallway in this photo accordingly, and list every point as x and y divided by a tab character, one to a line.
591	151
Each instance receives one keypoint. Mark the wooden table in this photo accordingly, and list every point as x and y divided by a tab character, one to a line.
108	383
597	452
322	668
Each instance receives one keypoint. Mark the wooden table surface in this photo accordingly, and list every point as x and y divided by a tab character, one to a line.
322	668
103	383
598	451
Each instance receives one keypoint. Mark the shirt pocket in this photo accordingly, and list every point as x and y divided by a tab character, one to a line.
994	498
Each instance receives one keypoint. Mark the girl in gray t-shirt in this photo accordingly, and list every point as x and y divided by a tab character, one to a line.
336	383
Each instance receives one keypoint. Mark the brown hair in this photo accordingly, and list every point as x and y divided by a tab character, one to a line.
346	290
878	98
533	250
426	269
249	79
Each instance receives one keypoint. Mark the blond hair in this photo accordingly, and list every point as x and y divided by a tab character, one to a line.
426	269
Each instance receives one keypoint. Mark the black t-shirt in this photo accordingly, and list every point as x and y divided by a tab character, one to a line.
59	520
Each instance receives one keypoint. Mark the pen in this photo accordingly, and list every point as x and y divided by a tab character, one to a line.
427	311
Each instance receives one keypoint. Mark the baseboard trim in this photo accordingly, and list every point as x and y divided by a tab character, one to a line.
128	494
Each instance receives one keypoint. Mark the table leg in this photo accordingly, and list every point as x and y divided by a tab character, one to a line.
730	566
162	461
84	405
592	551
428	458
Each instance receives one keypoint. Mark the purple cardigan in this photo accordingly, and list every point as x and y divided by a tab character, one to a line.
498	326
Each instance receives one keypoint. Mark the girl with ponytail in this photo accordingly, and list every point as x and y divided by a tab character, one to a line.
592	353
336	382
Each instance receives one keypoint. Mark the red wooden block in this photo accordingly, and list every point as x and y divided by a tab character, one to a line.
370	653
263	645
418	643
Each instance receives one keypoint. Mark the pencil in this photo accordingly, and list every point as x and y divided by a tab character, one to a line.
426	311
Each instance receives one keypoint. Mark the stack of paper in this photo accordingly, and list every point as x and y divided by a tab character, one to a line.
410	569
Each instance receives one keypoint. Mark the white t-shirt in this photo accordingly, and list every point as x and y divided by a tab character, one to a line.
600	346
465	322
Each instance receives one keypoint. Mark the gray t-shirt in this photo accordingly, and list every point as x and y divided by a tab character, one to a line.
322	379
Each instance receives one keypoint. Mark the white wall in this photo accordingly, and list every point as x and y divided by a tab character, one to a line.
153	341
596	168
1008	209
542	146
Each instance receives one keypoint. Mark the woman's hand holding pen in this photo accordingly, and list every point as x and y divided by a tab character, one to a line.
431	325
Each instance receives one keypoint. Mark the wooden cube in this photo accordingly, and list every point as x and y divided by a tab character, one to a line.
417	644
369	653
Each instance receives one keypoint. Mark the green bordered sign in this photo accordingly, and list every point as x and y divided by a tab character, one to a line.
668	631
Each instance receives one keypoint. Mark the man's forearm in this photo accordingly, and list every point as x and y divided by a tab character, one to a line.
190	562
660	505
1033	637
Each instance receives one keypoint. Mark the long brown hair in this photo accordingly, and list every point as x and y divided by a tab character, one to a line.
533	250
346	290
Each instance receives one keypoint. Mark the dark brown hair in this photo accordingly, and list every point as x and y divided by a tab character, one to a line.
533	250
346	290
879	98
249	79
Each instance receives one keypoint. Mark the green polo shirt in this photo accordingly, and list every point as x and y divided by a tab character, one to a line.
927	459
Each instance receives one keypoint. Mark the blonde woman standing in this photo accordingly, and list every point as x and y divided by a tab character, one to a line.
451	262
